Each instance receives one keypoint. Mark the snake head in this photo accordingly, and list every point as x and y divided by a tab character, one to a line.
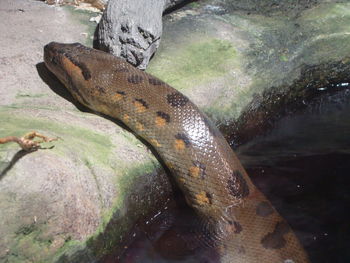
67	62
77	67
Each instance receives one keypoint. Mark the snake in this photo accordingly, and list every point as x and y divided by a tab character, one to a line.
244	226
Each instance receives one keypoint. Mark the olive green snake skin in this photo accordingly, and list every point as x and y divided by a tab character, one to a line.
245	226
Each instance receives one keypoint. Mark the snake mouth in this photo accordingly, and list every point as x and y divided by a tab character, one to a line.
52	58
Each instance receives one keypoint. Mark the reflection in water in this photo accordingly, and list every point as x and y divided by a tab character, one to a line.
302	166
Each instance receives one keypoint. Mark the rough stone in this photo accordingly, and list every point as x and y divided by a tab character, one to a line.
173	3
132	29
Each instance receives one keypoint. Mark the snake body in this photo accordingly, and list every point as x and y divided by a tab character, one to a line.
245	226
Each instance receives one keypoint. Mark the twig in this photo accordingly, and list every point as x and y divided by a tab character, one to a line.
27	142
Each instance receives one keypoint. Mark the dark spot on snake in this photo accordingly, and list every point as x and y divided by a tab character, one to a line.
238	227
135	79
101	89
81	47
144	103
275	240
208	195
164	116
121	70
184	138
176	99
121	93
237	185
155	82
84	69
86	74
264	209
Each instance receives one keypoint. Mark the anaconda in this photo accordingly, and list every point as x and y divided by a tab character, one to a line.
245	226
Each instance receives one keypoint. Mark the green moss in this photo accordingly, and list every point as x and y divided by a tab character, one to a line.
73	139
91	148
26	229
327	12
223	108
328	27
29	95
30	246
194	5
70	247
124	185
194	64
103	241
115	226
83	17
28	106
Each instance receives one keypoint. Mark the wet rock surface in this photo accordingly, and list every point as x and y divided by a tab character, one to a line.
253	55
264	110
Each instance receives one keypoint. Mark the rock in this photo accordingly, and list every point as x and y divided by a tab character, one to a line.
244	62
173	3
99	4
71	203
132	29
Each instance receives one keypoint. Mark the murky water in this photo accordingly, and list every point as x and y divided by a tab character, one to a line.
302	165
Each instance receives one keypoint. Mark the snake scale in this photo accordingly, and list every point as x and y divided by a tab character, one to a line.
244	225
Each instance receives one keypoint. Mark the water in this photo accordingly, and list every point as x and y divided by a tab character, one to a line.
302	165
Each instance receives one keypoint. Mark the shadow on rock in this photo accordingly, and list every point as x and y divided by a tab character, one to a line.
13	161
56	86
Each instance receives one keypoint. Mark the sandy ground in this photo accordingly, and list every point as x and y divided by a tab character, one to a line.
25	28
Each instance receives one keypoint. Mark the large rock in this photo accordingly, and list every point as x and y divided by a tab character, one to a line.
78	200
132	29
244	62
